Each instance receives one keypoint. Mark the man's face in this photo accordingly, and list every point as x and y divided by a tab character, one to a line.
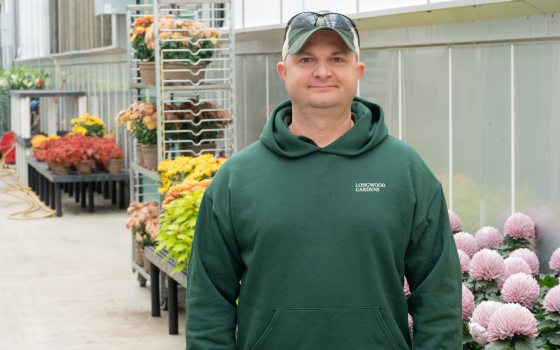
323	74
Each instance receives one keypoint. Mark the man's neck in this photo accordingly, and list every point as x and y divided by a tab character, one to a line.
323	126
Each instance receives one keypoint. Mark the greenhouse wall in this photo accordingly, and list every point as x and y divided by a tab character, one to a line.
474	90
478	101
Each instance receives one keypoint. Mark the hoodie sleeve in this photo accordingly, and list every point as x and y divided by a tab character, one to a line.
434	275
214	271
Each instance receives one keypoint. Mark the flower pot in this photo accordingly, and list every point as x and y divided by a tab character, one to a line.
138	254
60	169
150	156
84	167
147	263
139	155
191	73
114	166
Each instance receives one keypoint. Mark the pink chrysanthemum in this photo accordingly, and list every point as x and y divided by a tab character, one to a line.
510	320
488	237
520	226
554	262
479	321
406	288
521	288
479	333
410	322
486	265
464	260
483	311
467	302
552	300
515	264
454	221
530	258
466	242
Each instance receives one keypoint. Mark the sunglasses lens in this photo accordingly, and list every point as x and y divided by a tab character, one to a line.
303	20
337	21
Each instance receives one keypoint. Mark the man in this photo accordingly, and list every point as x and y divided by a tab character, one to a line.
304	238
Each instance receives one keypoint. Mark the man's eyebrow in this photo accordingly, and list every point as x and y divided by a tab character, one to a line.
335	53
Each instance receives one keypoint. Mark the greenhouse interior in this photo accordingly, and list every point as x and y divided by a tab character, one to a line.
271	174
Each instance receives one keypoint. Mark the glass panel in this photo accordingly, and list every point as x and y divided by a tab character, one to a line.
238	13
368	5
276	90
290	8
481	135
261	12
426	107
255	99
240	94
537	145
380	84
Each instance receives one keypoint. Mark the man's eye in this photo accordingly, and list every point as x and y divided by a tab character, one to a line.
337	59
305	60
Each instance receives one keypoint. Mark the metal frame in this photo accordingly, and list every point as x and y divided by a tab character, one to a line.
217	88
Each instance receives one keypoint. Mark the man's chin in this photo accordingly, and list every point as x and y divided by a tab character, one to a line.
324	103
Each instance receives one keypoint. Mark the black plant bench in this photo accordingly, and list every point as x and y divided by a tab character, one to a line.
172	281
48	185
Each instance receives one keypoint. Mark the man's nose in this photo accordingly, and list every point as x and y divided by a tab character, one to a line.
322	70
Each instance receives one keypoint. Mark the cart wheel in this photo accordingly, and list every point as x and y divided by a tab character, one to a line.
141	280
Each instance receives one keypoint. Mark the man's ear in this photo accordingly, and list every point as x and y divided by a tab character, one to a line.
281	69
360	69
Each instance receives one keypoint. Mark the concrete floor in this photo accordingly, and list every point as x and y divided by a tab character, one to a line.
66	283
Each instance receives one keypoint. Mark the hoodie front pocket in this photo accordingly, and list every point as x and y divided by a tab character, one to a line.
326	328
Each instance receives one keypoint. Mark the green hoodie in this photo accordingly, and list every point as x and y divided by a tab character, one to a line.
299	247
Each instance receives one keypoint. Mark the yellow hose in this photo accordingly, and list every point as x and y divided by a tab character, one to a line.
23	193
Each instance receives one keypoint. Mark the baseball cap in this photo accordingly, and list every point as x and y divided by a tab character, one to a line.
303	25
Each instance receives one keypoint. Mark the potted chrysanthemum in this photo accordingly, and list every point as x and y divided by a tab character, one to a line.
185	47
140	119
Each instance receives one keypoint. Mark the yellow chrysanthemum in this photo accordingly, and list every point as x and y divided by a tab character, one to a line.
78	129
37	140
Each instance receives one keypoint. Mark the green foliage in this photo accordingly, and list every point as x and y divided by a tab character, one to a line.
548	281
22	78
510	244
19	78
521	343
144	135
177	224
141	51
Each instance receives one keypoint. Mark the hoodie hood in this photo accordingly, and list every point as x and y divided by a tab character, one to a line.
369	130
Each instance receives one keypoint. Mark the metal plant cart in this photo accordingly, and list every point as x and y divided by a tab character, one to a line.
194	100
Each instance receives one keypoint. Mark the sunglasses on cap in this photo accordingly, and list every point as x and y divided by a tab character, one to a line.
309	20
